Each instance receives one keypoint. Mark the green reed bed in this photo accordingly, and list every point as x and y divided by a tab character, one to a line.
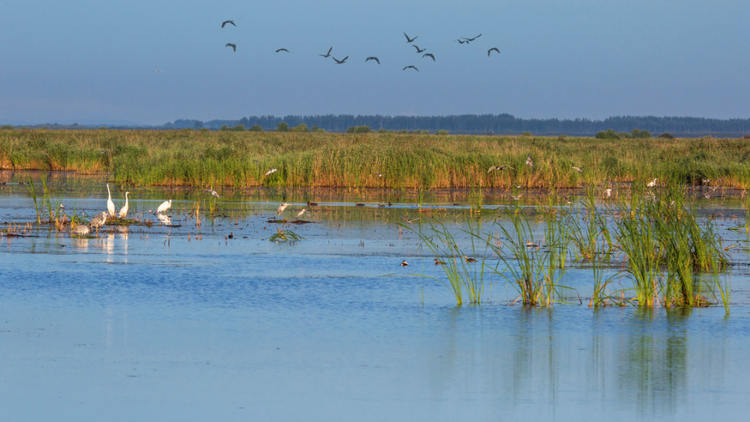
240	159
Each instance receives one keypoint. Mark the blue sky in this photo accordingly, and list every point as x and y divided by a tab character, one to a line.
92	61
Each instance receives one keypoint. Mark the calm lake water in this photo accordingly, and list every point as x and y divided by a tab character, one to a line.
148	325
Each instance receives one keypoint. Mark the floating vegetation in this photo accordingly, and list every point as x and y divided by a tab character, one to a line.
285	236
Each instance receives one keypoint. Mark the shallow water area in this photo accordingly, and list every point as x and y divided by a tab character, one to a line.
178	321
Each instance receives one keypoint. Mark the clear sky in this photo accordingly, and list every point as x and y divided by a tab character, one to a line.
92	61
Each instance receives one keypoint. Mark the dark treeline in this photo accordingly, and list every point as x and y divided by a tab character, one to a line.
489	123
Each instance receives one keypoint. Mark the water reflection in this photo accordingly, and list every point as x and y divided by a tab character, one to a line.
164	219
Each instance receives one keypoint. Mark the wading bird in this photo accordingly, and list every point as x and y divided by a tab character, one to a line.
283	49
428	55
418	49
124	209
578	169
98	220
80	230
404	263
226	22
328	54
469	259
270	171
234	46
281	209
212	192
340	61
608	192
492	49
529	162
110	204
471	39
408	40
372	58
499	168
301	213
652	183
164	206
410	67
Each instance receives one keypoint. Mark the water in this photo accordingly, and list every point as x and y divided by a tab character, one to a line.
146	325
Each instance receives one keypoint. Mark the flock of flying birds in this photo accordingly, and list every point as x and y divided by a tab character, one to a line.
409	40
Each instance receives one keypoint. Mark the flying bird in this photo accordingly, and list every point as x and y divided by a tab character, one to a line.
578	169
226	22
529	162
408	67
499	168
270	171
517	197
408	40
461	41
491	49
372	58
406	218
418	50
158	71
471	39
283	49
428	55
328	54
340	61
234	46
164	206
212	192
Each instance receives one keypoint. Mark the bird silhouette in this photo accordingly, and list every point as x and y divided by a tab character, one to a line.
490	51
429	55
408	67
340	61
158	71
283	49
372	58
226	22
409	39
472	39
234	46
328	54
418	50
461	41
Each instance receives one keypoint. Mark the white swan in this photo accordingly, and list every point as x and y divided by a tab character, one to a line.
110	204
124	210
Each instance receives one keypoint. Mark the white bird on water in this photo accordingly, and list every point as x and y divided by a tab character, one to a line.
110	204
301	213
124	209
164	206
281	208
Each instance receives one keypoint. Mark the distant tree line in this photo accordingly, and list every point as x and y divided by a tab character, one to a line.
488	123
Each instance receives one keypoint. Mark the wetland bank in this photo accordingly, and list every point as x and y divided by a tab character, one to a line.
563	310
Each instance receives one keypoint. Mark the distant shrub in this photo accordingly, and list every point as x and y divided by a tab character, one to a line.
746	137
381	130
666	135
403	131
103	128
526	134
301	128
607	134
256	128
282	127
6	127
314	129
562	137
223	128
363	129
640	134
442	132
239	128
203	129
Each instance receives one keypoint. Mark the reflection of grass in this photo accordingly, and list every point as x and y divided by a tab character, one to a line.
241	159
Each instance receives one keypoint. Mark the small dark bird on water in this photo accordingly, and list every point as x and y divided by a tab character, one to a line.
428	55
234	46
418	49
312	204
491	49
372	58
439	262
409	39
404	263
342	61
226	22
328	54
283	49
410	67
